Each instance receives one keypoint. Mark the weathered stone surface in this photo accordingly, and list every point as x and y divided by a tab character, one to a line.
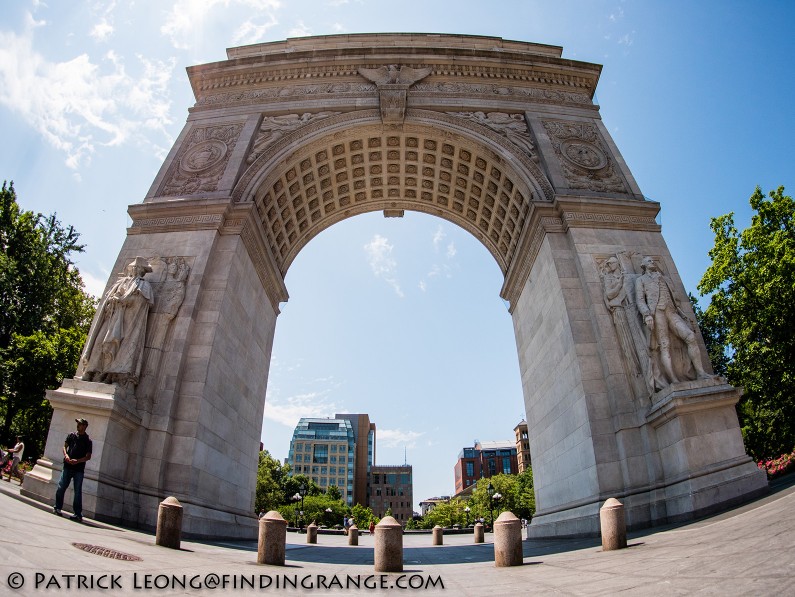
613	525
507	540
169	523
498	137
311	533
479	533
353	535
438	535
388	551
271	545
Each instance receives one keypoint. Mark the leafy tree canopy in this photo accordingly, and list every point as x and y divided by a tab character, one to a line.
44	316
752	315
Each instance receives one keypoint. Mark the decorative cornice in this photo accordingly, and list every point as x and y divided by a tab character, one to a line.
567	213
177	216
268	74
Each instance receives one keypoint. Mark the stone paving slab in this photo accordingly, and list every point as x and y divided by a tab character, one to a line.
746	551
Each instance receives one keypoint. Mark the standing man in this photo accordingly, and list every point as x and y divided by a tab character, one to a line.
76	452
18	450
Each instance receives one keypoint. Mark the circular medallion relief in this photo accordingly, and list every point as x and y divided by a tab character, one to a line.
584	154
204	155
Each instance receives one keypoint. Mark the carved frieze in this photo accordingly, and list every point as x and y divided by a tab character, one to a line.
545	96
511	126
202	160
584	160
274	128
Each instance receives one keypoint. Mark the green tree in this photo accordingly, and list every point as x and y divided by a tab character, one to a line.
446	514
333	492
362	515
44	316
714	337
752	283
271	476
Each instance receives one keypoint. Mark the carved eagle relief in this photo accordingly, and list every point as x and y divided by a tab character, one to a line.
393	74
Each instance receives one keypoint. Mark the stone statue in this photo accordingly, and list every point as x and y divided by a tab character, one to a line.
659	307
618	297
115	345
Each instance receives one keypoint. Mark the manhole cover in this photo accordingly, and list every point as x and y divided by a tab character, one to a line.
106	552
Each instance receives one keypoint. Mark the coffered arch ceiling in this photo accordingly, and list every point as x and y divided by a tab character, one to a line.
351	164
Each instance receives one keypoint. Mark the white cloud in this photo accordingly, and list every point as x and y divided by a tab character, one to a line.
451	250
627	39
422	285
619	14
397	438
79	104
102	30
336	3
251	32
379	253
438	237
288	411
338	27
300	30
93	285
186	19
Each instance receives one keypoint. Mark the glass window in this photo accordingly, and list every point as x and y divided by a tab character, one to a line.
376	479
405	478
323	470
470	469
299	447
506	465
333	447
320	454
333	458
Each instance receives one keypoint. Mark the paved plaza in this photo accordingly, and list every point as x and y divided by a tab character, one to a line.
745	551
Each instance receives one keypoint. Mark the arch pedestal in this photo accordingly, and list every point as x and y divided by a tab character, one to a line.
288	138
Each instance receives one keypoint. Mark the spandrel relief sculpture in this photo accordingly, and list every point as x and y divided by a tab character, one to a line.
274	128
657	340
114	349
511	126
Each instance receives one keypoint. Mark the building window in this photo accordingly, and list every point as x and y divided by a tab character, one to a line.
470	469
320	454
506	465
299	447
333	448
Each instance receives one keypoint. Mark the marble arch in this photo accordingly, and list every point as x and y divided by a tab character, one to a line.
500	137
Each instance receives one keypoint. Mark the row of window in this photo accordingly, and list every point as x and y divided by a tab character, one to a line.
319	459
300	447
392	478
388	491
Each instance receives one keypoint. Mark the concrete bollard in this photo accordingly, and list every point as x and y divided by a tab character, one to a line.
388	546
507	540
272	539
311	532
479	533
353	535
438	535
613	525
169	523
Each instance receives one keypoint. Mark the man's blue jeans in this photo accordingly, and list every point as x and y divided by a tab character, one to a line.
66	476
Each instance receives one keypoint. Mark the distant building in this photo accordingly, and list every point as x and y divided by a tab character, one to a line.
391	489
483	460
522	446
364	438
324	450
338	451
431	503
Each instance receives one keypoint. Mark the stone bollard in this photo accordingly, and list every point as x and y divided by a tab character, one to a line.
311	533
507	540
388	545
169	523
353	535
272	539
613	525
479	533
438	535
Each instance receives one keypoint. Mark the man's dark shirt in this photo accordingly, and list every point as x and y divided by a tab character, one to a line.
77	446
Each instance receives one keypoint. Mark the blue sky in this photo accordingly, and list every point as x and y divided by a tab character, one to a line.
398	318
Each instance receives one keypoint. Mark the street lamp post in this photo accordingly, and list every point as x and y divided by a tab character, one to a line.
496	499
295	498
467	511
328	516
490	491
302	490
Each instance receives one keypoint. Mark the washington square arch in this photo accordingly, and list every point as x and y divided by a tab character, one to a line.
499	137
